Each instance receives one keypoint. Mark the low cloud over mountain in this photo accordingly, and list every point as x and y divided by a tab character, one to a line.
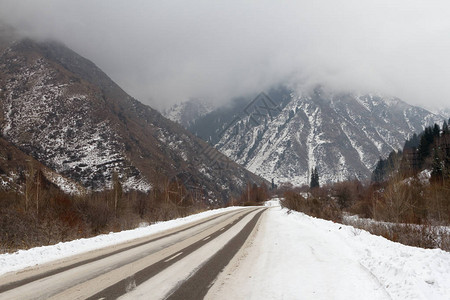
165	52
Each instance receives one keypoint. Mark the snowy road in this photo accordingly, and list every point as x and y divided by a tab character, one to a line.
296	262
238	253
295	256
133	270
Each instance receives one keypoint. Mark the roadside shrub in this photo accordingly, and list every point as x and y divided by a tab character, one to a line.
424	236
253	195
438	202
404	210
314	205
40	214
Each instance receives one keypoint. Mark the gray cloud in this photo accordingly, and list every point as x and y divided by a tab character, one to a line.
164	52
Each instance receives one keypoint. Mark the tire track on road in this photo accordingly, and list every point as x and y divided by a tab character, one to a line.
15	284
198	285
123	286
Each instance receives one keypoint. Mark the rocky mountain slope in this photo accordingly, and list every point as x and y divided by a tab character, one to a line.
15	166
445	112
65	112
211	127
286	135
185	113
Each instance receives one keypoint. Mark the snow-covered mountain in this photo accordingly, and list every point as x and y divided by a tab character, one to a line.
445	112
59	108
185	113
342	134
15	164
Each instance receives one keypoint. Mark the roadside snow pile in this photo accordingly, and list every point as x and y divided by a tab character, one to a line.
273	202
26	258
295	256
425	176
405	272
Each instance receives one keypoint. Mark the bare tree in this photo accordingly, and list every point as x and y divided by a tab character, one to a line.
117	190
38	190
29	184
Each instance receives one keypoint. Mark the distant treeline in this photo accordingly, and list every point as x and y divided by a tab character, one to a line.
41	214
428	150
407	201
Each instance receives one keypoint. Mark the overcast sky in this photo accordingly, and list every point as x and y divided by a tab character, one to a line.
163	52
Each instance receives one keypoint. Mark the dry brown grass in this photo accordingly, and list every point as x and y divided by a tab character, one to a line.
424	236
315	205
62	217
402	210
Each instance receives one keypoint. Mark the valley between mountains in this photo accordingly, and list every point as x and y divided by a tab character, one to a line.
295	192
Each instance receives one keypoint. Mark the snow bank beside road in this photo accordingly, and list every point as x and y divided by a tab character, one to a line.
294	256
405	272
273	202
40	255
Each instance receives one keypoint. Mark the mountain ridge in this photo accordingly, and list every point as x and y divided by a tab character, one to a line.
63	110
342	134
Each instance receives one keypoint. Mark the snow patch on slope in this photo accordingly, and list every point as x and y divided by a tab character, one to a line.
66	185
54	125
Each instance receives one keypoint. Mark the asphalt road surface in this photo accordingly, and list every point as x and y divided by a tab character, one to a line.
181	263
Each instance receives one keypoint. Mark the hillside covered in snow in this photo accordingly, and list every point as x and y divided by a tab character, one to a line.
286	135
66	113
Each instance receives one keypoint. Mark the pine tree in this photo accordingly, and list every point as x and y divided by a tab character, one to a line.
380	171
412	143
426	140
437	172
314	179
436	130
445	129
